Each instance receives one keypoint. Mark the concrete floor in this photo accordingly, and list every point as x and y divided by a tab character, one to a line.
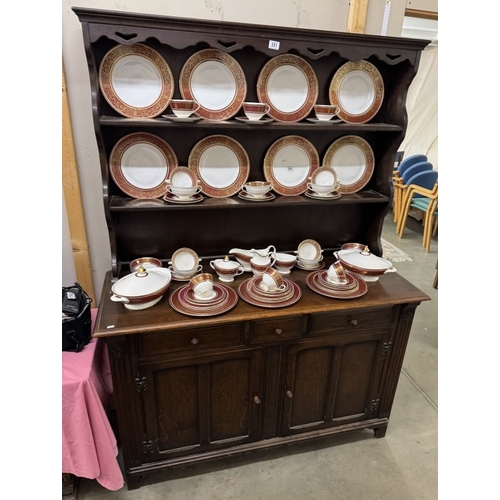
401	466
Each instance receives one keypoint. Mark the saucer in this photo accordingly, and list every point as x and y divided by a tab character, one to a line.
335	195
317	267
172	198
261	121
331	120
212	295
245	196
186	119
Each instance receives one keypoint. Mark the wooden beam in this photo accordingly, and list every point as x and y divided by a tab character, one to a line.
422	14
72	195
357	16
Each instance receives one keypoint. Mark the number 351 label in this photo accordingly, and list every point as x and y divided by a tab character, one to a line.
273	44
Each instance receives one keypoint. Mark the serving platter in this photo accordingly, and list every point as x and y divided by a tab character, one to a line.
289	85
357	88
289	163
136	81
140	163
221	164
353	160
216	81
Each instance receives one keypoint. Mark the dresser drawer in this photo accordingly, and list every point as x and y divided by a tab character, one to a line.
192	340
275	330
374	321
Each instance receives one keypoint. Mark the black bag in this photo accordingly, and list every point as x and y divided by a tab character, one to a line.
76	318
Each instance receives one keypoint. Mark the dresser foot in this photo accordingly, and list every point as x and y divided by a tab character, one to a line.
380	431
134	482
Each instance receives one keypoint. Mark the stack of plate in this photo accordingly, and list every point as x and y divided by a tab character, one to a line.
251	292
222	299
354	287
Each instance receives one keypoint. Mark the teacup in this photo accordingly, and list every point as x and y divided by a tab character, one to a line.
323	189
284	262
227	270
325	112
259	264
272	281
184	192
336	274
183	108
257	189
202	285
255	110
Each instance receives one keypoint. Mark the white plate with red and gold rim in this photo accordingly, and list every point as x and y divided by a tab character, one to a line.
136	81
315	281
216	81
289	163
247	291
177	300
289	85
357	88
353	160
221	164
140	164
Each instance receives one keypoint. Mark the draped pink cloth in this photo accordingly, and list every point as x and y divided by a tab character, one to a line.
89	447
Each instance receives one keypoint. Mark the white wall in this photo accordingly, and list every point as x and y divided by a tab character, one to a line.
315	14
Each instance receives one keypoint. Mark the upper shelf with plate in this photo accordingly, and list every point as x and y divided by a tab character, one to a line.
139	62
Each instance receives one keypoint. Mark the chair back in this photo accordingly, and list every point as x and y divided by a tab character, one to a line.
426	180
415	169
408	162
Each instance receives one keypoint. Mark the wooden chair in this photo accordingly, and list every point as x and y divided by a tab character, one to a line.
421	194
397	181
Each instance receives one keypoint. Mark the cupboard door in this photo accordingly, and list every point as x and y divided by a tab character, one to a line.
198	403
331	382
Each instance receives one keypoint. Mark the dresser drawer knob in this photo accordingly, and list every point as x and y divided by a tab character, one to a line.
278	331
256	400
353	322
194	341
289	394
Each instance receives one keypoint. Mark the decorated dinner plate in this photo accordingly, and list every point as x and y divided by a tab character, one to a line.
315	281
216	81
221	164
247	289
357	88
289	85
352	159
178	302
140	164
136	81
289	163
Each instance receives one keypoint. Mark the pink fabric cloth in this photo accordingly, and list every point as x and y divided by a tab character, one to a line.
89	447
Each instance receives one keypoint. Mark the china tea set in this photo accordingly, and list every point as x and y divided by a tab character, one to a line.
346	278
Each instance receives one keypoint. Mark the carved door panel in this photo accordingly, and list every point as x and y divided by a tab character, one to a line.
332	382
202	402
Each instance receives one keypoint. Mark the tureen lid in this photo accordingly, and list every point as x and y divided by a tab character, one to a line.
363	259
142	282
